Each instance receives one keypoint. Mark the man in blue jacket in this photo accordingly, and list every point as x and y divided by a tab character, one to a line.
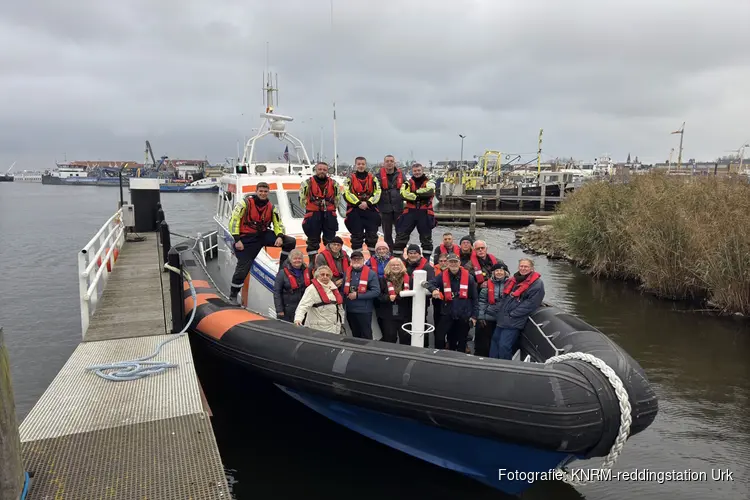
522	295
361	289
457	290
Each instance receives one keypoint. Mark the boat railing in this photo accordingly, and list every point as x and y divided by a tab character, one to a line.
95	261
208	244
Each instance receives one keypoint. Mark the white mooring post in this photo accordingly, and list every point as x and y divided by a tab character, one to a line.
418	309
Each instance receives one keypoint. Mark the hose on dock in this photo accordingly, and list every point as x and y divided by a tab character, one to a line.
135	369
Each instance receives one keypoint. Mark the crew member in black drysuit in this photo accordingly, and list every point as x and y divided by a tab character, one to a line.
390	205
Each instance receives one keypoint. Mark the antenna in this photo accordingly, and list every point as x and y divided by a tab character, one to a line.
335	142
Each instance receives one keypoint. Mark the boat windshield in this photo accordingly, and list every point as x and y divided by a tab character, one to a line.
298	211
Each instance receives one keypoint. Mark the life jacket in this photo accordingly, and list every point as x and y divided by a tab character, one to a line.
418	204
445	250
525	284
324	296
491	292
422	263
332	263
256	220
320	199
362	189
392	289
374	263
384	179
293	280
463	288
362	288
478	275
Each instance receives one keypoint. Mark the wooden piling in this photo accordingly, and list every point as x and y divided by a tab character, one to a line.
11	471
472	220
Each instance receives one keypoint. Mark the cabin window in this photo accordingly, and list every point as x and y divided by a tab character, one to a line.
298	211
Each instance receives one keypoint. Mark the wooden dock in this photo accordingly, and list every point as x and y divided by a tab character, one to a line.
91	438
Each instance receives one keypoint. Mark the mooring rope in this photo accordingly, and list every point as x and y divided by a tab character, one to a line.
622	397
135	369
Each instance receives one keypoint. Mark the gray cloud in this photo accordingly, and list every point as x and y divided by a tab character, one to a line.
95	80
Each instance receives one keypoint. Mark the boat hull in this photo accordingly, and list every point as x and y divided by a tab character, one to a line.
545	413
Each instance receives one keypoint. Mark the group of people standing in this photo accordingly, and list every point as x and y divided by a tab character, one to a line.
468	286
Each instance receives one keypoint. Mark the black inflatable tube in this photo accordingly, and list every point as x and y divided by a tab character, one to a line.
567	406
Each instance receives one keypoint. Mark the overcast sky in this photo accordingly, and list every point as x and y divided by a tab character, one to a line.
93	80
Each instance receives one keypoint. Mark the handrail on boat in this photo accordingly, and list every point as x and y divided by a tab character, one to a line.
95	261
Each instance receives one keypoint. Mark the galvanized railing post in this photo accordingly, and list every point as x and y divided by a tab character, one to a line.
83	286
175	291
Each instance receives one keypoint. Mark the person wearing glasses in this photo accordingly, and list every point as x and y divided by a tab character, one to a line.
481	263
322	303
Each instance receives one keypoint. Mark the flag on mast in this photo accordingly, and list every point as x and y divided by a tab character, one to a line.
286	153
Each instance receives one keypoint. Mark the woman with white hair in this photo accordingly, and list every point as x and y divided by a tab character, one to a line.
322	303
291	282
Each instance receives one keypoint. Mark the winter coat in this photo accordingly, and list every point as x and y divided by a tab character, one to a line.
514	312
487	311
364	303
328	318
385	306
457	308
286	300
381	264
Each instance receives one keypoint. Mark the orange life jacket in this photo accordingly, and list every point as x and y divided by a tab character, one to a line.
332	263
324	296
384	179
362	288
418	204
363	189
293	280
256	220
321	199
491	292
525	284
463	288
478	275
392	289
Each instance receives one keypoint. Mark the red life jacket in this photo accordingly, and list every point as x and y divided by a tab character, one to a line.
478	275
362	288
293	280
422	263
363	189
256	221
491	292
324	296
525	284
374	263
463	292
423	204
332	263
384	179
392	290
320	199
445	250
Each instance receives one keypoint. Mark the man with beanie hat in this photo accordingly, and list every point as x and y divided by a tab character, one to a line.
490	299
335	258
465	249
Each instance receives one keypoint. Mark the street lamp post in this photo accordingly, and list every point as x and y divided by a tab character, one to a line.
461	161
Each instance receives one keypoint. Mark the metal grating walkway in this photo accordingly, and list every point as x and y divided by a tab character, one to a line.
90	438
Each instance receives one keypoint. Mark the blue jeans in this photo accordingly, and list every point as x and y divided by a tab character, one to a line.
503	342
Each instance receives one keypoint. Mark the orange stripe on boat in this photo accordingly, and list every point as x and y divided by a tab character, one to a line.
202	299
288	185
251	188
218	323
196	284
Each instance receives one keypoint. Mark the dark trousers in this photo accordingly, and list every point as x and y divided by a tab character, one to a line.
388	219
363	226
313	225
407	221
253	244
391	330
504	342
360	324
482	338
455	330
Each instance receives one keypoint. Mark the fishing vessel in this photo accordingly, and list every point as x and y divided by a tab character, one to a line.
569	393
7	177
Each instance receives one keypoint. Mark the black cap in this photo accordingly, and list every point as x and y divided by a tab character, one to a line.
499	265
357	253
413	248
453	256
337	239
465	238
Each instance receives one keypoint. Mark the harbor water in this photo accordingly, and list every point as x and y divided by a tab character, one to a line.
699	366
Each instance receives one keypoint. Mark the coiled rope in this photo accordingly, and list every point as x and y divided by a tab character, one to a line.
135	369
625	418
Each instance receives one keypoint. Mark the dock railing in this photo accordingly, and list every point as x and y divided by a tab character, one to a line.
95	261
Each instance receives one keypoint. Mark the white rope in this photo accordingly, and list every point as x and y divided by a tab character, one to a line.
622	397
